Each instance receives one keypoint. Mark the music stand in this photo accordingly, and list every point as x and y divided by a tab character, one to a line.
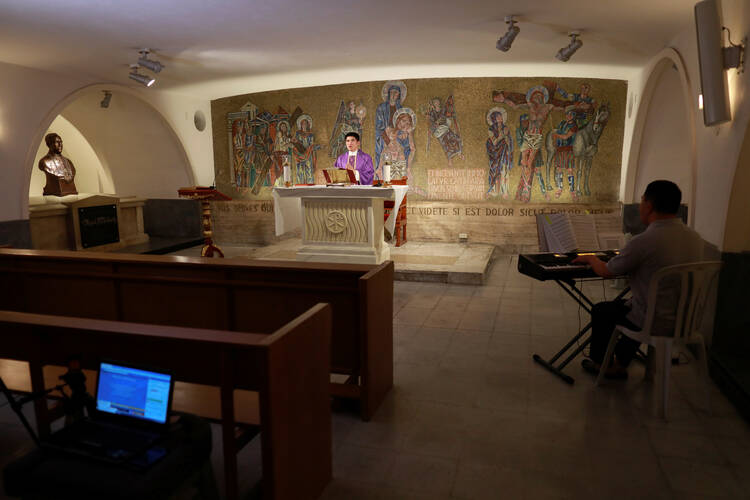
205	195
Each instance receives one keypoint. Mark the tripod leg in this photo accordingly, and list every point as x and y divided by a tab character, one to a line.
17	409
41	412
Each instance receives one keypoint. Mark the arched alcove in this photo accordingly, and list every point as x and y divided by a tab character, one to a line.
737	227
664	145
662	154
91	175
139	152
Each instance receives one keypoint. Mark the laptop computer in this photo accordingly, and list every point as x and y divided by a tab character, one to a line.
132	413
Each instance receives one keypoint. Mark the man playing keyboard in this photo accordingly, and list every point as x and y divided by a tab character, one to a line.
665	242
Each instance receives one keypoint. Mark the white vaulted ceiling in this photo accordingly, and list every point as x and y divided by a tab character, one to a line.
202	41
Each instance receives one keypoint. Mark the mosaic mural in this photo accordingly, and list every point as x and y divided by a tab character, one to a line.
499	140
350	118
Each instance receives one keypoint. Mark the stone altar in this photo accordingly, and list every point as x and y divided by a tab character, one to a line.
339	223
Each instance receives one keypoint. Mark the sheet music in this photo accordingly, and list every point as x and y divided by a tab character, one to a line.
563	233
559	233
611	241
584	229
543	245
608	223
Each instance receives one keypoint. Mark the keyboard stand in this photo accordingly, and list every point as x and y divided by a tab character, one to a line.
569	285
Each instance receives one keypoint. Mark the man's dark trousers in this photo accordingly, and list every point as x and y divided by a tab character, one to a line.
604	317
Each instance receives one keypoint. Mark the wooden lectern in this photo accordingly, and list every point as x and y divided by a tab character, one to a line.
205	195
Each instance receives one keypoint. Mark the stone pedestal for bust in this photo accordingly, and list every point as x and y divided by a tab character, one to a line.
55	221
57	186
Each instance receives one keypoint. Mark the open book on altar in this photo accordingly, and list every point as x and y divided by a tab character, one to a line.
340	175
561	233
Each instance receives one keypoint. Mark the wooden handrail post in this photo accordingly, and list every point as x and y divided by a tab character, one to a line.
228	443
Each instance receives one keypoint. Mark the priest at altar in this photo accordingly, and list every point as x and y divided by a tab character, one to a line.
355	159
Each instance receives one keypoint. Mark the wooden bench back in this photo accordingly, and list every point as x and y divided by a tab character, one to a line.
227	294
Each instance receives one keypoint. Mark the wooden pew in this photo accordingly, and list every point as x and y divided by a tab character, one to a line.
228	294
288	369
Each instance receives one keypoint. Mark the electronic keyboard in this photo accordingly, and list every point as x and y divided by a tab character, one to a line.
559	266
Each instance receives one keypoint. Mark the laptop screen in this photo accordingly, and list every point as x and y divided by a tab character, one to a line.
133	392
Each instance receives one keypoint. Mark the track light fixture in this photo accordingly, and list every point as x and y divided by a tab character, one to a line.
504	42
144	80
107	98
147	63
564	53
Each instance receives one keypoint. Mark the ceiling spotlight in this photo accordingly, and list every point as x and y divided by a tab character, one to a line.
504	42
142	79
147	63
564	53
107	98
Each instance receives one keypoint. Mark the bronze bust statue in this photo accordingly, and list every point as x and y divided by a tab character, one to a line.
59	170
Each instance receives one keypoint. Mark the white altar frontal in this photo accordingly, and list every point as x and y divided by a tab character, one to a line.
339	223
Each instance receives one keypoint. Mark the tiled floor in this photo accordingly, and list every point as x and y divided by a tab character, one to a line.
473	417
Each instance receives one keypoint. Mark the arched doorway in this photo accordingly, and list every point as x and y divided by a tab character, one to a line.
737	227
663	145
138	152
730	348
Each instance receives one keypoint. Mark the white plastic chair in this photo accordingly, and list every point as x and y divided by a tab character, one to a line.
676	300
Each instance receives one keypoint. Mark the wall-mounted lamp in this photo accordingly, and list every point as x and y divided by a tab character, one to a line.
713	61
734	55
147	63
575	43
144	80
107	98
504	42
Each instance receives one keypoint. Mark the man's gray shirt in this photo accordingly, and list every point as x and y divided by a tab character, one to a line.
665	242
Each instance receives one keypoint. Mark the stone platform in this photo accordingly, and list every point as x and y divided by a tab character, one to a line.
460	263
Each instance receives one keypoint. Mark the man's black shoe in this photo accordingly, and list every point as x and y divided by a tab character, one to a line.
589	366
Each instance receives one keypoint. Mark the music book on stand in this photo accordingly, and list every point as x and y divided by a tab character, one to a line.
562	233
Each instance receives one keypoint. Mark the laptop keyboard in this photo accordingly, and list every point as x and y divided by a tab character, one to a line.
104	440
